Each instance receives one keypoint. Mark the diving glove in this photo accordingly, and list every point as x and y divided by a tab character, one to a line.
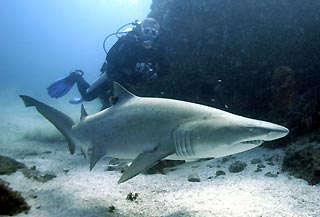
146	70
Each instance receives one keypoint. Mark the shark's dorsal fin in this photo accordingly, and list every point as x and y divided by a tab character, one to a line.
83	113
145	161
121	93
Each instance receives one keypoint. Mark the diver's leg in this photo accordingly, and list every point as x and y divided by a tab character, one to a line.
99	87
82	88
98	83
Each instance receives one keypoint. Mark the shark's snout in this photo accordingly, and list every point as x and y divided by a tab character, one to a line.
277	132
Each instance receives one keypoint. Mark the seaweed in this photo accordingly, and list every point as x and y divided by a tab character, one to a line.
11	202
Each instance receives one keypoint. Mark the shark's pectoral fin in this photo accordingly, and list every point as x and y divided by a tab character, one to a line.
145	161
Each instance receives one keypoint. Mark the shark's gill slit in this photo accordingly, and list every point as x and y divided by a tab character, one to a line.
182	142
187	139
180	139
185	143
176	142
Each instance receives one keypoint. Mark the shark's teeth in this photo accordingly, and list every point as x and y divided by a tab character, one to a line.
182	143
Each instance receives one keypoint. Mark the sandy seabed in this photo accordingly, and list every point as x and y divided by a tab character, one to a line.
30	139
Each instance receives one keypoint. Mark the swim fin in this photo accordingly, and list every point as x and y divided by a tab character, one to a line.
75	100
62	86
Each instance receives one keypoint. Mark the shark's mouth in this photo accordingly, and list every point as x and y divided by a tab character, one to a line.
252	142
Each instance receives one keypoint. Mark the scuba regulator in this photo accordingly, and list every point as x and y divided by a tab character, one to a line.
121	31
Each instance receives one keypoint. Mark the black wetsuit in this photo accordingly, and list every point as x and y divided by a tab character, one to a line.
121	66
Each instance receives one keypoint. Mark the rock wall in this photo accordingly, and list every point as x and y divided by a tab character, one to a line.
255	58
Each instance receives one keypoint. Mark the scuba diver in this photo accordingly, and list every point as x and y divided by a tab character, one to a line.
134	58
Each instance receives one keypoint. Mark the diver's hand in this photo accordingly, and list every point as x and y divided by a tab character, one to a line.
143	68
146	70
153	76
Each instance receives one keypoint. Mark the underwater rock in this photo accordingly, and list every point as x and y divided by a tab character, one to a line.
32	194
304	164
269	174
226	159
261	165
305	117
277	49
273	158
237	167
315	138
31	153
283	89
194	178
210	165
204	159
116	164
11	202
270	163
111	208
220	173
162	165
132	196
8	165
258	170
66	170
36	175
256	161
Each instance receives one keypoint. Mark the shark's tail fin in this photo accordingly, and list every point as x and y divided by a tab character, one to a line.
60	120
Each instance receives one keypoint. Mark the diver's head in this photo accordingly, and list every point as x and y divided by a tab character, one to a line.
149	31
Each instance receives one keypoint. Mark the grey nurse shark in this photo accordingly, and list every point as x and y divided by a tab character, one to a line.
148	130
